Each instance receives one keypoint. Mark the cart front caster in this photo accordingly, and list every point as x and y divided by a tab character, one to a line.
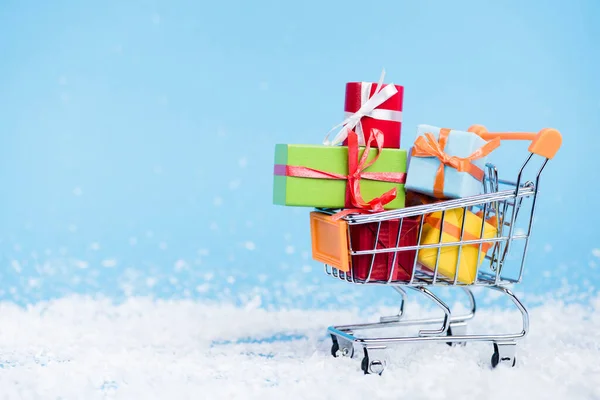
341	347
504	354
373	362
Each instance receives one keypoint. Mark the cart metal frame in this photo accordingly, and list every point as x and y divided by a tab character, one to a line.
509	206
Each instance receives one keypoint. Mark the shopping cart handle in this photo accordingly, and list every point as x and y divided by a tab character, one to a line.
545	143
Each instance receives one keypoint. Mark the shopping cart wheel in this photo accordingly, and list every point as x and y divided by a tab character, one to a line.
373	362
504	354
341	347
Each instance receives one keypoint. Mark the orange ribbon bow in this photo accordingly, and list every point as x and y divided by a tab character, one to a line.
428	146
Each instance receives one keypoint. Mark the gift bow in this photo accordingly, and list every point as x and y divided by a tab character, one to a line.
356	172
428	146
368	108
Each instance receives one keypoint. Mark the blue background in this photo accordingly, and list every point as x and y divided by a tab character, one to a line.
137	138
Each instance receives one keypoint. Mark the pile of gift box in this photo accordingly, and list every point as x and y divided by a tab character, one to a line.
363	169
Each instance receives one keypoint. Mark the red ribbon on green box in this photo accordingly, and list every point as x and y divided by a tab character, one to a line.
356	171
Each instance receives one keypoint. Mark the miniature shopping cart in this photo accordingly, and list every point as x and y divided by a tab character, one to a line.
485	246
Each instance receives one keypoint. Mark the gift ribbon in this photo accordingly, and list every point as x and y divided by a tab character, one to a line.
428	146
356	172
454	231
368	108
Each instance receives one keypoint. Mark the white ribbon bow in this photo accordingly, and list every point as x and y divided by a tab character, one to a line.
368	108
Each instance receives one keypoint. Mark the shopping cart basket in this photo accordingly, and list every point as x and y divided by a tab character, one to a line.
493	257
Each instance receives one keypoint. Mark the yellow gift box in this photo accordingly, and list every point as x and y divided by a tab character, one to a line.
470	256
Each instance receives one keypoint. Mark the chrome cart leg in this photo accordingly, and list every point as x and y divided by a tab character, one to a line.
505	351
396	318
443	306
457	329
504	354
342	347
374	360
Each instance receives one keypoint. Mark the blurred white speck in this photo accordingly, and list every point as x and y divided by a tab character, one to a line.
132	241
547	274
262	278
221	132
234	184
253	303
78	191
72	228
214	226
592	264
127	289
250	245
12	290
162	246
16	266
289	249
163	100
305	255
520	231
118	48
149	234
306	268
217	201
230	280
109	263
81	264
158	170
208	276
62	251
34	283
231	258
150	282
287	236
249	224
62	80
202	288
264	86
156	18
95	246
173	280
548	248
180	265
17	248
243	162
203	252
563	266
596	253
64	97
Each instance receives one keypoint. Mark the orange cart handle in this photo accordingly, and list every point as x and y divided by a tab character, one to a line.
545	143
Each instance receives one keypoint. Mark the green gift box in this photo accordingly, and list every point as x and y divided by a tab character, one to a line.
331	164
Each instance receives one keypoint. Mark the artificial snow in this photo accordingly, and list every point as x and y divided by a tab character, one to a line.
84	348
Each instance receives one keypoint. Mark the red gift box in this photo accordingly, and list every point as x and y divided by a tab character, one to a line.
385	116
363	238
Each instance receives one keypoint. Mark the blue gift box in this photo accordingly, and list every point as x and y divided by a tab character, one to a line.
422	171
